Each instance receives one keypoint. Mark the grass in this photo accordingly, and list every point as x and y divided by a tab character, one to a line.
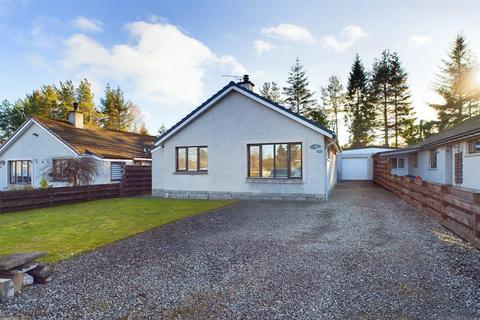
65	231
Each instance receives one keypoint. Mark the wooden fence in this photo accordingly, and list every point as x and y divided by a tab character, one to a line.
137	181
456	209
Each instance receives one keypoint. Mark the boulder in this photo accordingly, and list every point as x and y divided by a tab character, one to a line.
27	279
43	270
27	267
7	291
11	261
16	277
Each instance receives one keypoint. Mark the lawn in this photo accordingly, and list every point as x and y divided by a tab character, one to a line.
65	231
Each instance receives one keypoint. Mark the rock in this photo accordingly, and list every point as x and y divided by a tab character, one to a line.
16	277
27	267
43	270
27	279
43	280
7	290
10	261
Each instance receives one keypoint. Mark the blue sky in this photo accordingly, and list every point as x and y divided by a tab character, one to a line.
169	56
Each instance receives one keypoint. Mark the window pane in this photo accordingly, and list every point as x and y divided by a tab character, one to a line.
401	163
281	161
181	159
192	159
203	159
267	160
295	160
25	172
18	173
12	172
254	170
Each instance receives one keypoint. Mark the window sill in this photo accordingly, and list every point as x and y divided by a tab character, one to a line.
194	173
432	169
275	180
467	155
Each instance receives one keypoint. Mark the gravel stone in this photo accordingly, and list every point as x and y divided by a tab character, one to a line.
365	254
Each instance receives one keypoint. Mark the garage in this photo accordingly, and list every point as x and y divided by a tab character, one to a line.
355	169
357	164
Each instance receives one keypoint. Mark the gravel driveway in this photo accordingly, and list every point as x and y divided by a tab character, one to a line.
363	255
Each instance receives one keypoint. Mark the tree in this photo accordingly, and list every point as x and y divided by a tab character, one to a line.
316	113
360	113
11	117
402	108
454	84
161	130
116	112
271	91
143	130
298	95
74	170
86	105
66	98
381	91
333	99
414	133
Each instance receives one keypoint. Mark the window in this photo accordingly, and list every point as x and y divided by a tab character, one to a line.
192	159
415	159
394	163
433	158
276	160
20	172
474	146
59	171
116	171
401	163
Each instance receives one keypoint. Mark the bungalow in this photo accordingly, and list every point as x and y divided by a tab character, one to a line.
40	145
451	157
238	144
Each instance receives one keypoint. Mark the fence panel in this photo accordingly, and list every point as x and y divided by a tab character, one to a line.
137	181
456	209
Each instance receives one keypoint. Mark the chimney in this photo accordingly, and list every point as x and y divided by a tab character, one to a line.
246	83
75	117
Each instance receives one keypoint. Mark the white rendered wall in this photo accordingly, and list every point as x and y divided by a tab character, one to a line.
226	129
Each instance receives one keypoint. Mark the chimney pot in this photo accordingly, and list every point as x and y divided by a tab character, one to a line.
246	83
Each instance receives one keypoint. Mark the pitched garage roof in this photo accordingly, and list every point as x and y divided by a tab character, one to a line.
234	86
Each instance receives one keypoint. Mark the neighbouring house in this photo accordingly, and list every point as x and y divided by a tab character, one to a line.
238	144
357	163
451	157
40	145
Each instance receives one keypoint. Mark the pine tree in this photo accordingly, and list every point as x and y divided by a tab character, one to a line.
161	130
454	86
271	91
381	91
115	110
298	95
66	98
360	113
84	97
11	117
333	99
402	108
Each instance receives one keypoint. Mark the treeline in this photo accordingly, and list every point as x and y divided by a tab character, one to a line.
375	105
56	101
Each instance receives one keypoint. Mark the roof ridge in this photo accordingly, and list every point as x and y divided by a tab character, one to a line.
89	127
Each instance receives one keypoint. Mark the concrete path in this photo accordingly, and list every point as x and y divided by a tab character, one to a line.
363	255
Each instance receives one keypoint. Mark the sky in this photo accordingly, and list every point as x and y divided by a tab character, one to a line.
170	56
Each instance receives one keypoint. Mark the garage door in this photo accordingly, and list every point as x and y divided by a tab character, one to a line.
355	169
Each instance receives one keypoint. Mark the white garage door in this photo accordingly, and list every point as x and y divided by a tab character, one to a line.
355	169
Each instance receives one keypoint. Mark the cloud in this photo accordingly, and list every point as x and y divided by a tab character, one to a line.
8	6
349	36
87	24
289	32
162	63
419	40
263	46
